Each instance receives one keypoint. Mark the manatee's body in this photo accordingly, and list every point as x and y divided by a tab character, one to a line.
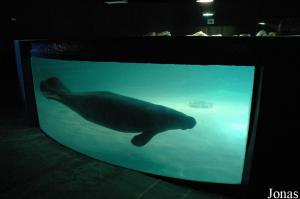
119	112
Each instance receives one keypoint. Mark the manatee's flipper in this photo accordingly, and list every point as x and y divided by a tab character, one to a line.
142	139
53	88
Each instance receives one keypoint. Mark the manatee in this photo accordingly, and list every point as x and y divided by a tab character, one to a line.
118	112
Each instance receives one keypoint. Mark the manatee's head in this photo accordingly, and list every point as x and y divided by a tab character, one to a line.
187	122
181	121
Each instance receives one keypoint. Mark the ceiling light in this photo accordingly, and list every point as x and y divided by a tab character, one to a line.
208	14
205	1
262	23
116	2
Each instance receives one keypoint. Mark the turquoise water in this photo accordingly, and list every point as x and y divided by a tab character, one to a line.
218	97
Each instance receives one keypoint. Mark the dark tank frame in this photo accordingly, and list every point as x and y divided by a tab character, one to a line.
178	50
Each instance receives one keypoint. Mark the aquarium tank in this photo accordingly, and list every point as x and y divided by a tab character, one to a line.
182	121
185	120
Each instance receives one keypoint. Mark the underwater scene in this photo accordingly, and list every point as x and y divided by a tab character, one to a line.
182	121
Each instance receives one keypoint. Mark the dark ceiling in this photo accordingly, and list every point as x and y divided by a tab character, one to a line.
92	17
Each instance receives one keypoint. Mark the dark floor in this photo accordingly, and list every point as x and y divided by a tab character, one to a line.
34	166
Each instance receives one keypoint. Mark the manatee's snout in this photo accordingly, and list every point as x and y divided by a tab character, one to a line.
189	123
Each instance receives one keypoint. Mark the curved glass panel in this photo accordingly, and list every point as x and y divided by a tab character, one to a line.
183	121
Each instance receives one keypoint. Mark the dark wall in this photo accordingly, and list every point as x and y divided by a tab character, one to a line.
277	145
10	98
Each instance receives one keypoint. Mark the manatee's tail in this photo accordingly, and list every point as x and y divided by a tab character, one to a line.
53	88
